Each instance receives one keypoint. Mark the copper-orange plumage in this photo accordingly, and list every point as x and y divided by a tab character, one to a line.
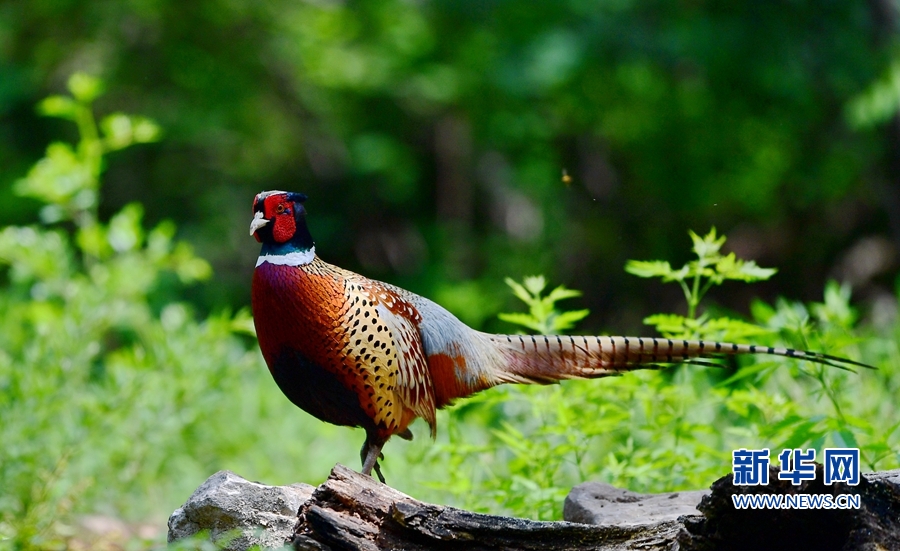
357	352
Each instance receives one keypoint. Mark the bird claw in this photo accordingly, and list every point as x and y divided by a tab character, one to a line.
370	454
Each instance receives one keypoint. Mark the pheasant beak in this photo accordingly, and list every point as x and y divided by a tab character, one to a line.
258	222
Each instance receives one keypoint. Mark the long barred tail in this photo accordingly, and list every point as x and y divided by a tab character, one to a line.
549	358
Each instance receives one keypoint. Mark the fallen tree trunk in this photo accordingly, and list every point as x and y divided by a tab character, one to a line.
352	511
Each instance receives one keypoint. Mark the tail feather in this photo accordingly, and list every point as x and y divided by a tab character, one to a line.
544	359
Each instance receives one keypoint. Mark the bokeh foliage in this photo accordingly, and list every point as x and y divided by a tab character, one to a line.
431	136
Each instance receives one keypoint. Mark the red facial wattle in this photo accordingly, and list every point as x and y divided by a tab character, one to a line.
284	227
279	210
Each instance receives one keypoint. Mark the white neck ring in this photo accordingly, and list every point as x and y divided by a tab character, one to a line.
296	258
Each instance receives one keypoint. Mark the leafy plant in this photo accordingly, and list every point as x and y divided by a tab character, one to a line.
67	178
828	325
542	315
114	399
695	279
70	308
828	328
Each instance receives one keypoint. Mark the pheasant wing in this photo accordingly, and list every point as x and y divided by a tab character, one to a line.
387	349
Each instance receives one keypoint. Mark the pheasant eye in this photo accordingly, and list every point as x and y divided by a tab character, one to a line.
279	209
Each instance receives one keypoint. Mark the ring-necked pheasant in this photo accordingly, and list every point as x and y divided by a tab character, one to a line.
357	352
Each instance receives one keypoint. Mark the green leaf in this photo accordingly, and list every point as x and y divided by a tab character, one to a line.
845	439
518	318
535	284
159	240
667	323
708	246
520	291
733	330
752	272
695	268
730	267
512	437
567	320
84	87
561	293
59	106
748	371
125	231
188	266
243	323
803	432
761	311
33	253
649	268
878	103
121	130
542	315
58	178
92	240
836	307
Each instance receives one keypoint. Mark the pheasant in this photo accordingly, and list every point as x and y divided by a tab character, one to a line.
361	353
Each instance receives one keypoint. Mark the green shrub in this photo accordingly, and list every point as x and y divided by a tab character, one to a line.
111	402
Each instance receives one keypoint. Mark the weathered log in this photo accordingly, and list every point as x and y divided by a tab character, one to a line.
352	511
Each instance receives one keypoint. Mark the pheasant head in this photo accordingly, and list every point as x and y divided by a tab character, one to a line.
279	223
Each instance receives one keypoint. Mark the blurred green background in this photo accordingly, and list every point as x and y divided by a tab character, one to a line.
444	146
431	136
